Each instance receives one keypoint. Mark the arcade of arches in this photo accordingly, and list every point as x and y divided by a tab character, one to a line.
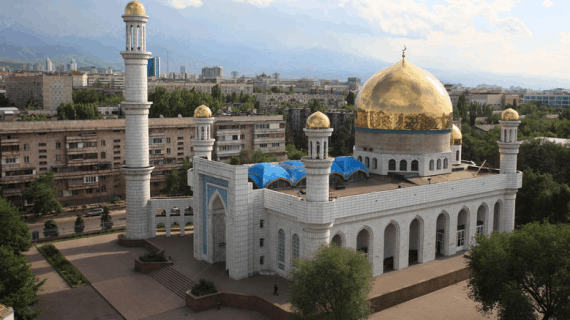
448	239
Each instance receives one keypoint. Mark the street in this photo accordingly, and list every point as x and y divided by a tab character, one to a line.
67	224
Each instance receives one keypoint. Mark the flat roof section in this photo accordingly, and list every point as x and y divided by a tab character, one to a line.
378	183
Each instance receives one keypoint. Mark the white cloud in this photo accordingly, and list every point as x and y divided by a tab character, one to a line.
547	3
564	37
402	17
259	3
181	4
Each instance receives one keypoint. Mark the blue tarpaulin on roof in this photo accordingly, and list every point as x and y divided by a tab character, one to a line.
262	174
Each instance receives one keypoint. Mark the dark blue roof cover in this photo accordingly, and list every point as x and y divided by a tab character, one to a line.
265	173
349	165
294	170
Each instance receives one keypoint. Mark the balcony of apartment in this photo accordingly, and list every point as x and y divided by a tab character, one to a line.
268	130
80	170
229	142
18	176
157	176
227	132
231	152
10	142
12	192
153	146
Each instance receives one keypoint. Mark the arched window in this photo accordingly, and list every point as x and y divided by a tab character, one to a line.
360	158
457	155
295	247
438	164
392	164
445	163
403	165
415	165
281	248
367	162
374	163
318	150
431	164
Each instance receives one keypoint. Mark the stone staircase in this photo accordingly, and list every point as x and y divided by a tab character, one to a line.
173	280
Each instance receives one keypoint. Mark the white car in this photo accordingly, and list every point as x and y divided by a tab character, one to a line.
95	212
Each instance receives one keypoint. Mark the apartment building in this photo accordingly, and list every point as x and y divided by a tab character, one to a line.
297	118
329	100
226	88
86	156
48	90
558	98
258	132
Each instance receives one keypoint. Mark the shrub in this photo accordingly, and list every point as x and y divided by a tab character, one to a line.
50	224
67	271
203	287
115	200
152	257
160	226
189	224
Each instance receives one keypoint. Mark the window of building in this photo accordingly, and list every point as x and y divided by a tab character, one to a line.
403	165
89	191
295	247
26	159
168	150
42	151
58	145
431	164
261	224
117	141
281	248
392	164
90	179
43	163
73	145
275	144
445	163
116	158
367	162
103	155
9	160
43	157
180	148
26	147
116	147
90	144
180	143
117	152
261	242
262	260
42	144
235	137
180	138
156	141
263	145
438	164
374	163
180	153
102	143
57	157
415	165
168	140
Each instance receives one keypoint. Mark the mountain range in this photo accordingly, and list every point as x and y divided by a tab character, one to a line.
24	45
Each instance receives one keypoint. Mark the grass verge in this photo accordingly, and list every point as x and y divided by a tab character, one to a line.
84	236
68	272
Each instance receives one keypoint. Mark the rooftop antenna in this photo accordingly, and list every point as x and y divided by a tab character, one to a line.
404	54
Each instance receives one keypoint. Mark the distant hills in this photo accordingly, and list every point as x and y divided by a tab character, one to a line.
19	44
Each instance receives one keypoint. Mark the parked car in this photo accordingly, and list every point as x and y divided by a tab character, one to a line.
95	212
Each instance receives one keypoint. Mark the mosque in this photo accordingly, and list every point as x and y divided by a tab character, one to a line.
405	196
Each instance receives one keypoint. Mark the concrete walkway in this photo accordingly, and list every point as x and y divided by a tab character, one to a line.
450	303
43	270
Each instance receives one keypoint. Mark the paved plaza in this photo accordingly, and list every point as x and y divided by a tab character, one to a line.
118	292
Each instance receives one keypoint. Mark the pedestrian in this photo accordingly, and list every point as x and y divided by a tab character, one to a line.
275	288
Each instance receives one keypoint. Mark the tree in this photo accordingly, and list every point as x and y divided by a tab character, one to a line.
42	193
332	285
515	104
293	153
350	98
171	182
18	285
473	109
291	90
31	104
106	222
524	273
15	233
316	105
462	107
216	92
183	178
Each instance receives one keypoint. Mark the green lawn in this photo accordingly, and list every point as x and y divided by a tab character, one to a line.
68	272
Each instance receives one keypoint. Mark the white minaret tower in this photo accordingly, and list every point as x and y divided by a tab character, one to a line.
137	169
317	167
73	65
456	140
203	142
509	148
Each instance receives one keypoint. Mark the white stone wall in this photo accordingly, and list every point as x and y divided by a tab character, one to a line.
423	162
167	205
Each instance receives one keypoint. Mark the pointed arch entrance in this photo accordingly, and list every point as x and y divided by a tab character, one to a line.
441	234
217	217
415	250
497	216
462	240
391	253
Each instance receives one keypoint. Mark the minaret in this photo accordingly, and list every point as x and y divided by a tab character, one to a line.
73	65
456	140
509	148
317	167
137	169
203	142
49	66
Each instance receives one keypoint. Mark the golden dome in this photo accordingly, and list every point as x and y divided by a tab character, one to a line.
403	97
202	112
510	115
318	120
135	7
456	136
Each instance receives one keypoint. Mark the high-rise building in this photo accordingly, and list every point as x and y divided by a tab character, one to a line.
47	90
93	70
49	66
212	72
153	67
182	69
73	65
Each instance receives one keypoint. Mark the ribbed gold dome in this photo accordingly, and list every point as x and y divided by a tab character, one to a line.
456	136
202	112
403	97
510	115
318	120
135	7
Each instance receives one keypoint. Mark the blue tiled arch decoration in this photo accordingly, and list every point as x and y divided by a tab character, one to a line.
209	187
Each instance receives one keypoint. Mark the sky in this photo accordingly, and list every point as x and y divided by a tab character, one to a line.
526	39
